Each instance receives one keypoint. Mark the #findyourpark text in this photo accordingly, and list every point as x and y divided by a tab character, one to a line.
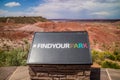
60	45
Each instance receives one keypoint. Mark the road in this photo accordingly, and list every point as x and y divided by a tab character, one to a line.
22	73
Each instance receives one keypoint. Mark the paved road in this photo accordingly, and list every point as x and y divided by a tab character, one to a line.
99	74
22	73
114	74
6	72
105	74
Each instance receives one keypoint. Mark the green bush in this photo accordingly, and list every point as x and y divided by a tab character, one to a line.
2	58
23	19
98	56
106	59
110	64
117	54
94	55
14	57
118	57
112	57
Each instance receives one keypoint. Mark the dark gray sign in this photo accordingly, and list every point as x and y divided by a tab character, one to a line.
60	48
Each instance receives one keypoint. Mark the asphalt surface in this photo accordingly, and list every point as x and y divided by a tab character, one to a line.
114	74
6	72
22	73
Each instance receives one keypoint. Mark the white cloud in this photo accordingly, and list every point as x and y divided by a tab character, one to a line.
102	13
58	8
72	9
12	4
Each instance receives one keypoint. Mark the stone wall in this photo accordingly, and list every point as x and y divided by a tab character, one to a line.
59	72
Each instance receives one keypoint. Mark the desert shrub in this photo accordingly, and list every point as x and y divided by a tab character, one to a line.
116	52
112	57
14	57
110	64
2	58
23	19
98	56
11	59
94	55
118	57
101	56
98	61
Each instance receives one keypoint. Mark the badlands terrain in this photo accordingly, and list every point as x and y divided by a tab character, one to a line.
102	35
16	35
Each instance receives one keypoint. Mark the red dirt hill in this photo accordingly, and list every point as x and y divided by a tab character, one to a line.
102	35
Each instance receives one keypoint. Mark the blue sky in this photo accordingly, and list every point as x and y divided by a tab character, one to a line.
62	9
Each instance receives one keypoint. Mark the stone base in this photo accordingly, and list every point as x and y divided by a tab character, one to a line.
59	72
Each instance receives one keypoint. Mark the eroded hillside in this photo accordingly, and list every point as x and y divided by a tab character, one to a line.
103	36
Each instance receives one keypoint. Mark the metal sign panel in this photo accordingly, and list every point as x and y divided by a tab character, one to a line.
60	48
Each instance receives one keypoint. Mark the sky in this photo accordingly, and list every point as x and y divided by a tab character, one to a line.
62	9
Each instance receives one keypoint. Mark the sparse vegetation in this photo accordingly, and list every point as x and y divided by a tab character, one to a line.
107	59
14	57
110	64
22	20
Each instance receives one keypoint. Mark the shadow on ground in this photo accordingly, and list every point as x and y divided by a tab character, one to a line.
95	74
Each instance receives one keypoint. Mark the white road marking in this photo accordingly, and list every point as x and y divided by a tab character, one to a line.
108	74
13	74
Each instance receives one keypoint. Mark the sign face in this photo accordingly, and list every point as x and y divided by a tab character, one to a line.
60	48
